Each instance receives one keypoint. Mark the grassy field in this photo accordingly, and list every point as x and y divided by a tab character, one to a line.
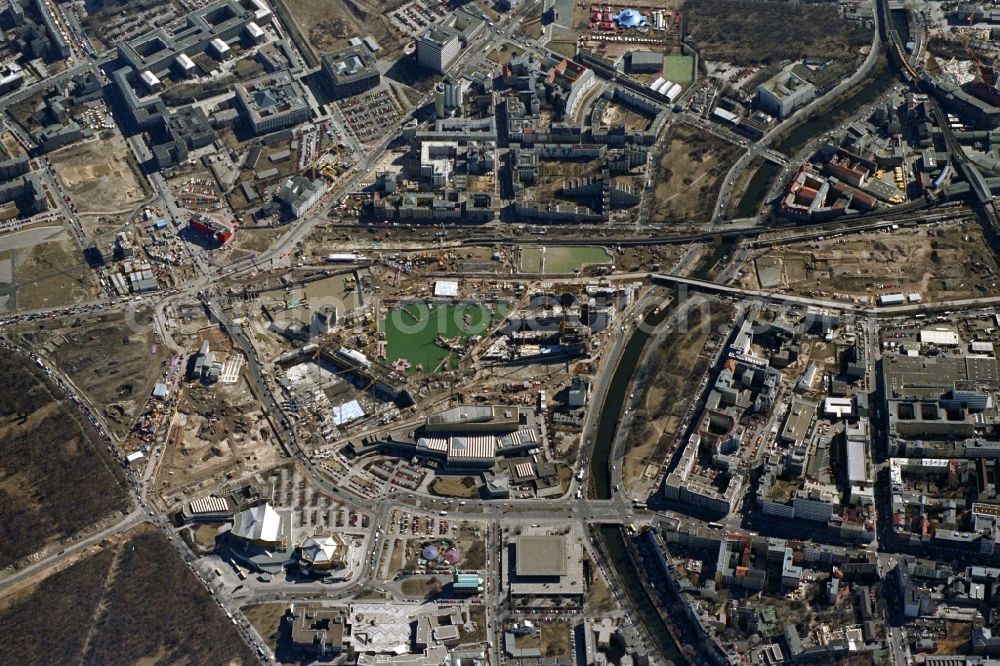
568	259
56	475
756	32
689	175
678	68
411	330
455	486
561	259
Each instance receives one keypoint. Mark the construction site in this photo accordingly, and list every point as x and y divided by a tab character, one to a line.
948	260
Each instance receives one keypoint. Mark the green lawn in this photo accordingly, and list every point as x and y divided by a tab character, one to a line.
561	259
568	259
411	331
678	68
531	260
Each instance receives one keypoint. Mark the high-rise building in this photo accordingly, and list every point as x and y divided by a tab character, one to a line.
437	47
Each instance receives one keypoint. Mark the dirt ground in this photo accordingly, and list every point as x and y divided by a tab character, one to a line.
101	176
52	274
114	360
942	262
689	175
328	25
216	430
676	367
255	240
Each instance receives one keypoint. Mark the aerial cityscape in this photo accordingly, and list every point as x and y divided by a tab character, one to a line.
474	333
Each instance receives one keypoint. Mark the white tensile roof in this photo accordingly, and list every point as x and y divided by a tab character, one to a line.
258	523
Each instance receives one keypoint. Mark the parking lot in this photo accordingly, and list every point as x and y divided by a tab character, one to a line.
413	17
370	115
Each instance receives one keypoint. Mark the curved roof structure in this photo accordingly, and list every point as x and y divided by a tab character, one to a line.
630	18
430	552
452	556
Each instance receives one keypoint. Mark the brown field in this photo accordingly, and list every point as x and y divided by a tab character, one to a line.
101	176
215	431
504	55
949	261
670	373
556	642
689	175
52	274
56	475
113	360
328	25
266	619
449	486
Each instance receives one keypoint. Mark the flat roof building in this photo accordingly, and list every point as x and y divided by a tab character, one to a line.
156	50
298	194
783	93
352	71
438	45
645	61
543	565
272	103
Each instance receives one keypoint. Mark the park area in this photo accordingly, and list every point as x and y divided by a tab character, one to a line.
763	32
690	174
425	337
58	476
556	260
133	602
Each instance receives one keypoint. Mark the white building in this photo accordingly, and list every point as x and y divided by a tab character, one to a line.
437	47
783	93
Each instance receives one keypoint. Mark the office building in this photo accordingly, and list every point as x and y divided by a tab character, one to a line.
783	93
437	47
272	103
352	71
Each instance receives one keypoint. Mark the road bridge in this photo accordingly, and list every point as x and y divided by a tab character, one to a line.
840	305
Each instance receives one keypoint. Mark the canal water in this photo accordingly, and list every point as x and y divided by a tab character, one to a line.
756	190
826	120
600	471
611	536
614	545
